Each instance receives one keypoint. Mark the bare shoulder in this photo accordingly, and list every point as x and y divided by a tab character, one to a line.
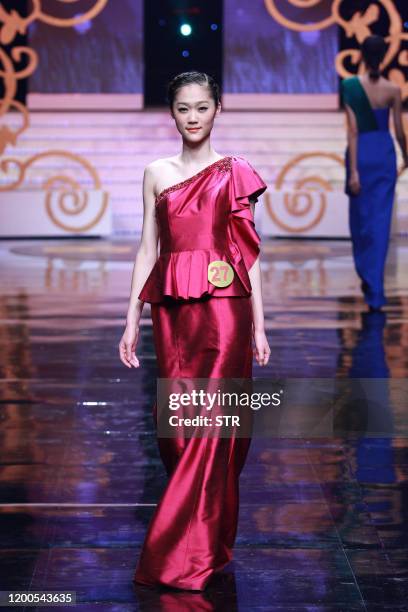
157	171
157	166
393	89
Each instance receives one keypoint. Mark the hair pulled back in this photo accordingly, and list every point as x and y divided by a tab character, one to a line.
189	78
373	51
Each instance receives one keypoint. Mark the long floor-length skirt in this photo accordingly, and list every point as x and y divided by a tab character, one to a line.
370	212
193	529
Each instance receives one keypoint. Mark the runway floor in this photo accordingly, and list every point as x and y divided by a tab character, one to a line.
323	521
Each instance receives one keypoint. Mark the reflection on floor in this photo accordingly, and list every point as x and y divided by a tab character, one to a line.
323	522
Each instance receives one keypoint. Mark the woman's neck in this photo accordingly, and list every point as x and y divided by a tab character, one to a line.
199	155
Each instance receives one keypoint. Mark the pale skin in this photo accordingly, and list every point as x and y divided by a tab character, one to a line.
193	108
381	93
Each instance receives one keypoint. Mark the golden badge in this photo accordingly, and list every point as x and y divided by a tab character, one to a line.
220	273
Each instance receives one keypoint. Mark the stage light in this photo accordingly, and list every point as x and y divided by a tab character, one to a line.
186	29
214	27
310	38
82	28
185	53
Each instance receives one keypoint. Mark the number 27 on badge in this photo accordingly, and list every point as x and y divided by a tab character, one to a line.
220	273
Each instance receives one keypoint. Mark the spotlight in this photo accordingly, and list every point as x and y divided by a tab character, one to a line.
186	29
185	53
214	27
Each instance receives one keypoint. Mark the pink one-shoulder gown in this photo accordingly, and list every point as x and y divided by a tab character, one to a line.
201	330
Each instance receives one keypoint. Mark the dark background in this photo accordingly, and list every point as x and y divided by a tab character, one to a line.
163	44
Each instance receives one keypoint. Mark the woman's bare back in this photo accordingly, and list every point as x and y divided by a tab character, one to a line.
381	93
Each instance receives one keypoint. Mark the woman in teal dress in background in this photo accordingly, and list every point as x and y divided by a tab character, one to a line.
371	169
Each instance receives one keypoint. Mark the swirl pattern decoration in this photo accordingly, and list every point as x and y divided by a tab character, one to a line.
358	26
304	204
66	201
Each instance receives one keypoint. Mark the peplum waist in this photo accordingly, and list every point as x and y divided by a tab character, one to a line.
199	225
183	275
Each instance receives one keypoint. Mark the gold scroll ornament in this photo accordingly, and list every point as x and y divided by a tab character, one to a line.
307	197
63	194
359	26
11	24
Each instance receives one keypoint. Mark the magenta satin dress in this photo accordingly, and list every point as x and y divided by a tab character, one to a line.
201	330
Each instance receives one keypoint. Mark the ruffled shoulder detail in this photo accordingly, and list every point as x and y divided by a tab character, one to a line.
247	183
246	187
183	274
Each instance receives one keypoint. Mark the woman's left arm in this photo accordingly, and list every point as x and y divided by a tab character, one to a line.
262	350
352	137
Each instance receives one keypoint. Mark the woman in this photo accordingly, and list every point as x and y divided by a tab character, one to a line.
201	206
371	166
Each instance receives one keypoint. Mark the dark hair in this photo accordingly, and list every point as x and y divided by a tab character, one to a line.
188	78
373	51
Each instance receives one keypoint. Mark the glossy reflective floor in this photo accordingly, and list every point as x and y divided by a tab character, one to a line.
323	522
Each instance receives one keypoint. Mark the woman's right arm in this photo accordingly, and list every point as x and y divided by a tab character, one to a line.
145	259
399	126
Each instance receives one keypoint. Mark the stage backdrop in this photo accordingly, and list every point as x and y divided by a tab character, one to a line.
261	56
77	169
103	55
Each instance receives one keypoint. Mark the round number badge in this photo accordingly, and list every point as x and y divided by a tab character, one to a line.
220	273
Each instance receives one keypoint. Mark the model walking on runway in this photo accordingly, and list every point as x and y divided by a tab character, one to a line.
371	166
200	205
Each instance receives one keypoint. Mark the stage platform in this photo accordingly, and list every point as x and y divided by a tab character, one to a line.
323	521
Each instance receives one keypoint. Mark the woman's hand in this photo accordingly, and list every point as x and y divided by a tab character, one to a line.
127	346
354	183
262	350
